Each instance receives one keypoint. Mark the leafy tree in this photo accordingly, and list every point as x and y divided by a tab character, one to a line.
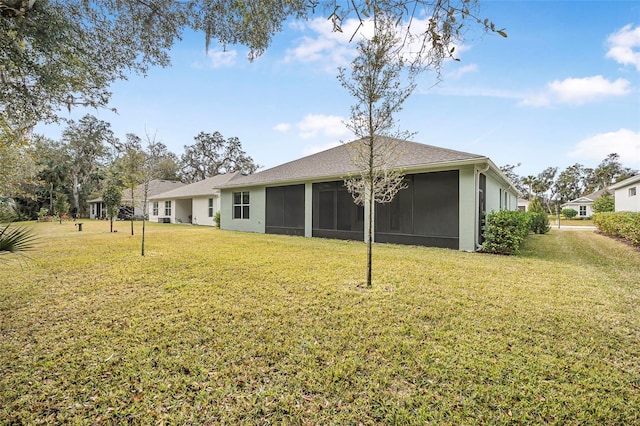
211	155
112	198
539	217
604	204
54	166
61	205
167	164
85	143
543	187
568	184
569	213
508	171
528	182
375	83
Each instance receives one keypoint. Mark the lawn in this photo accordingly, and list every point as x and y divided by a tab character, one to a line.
215	327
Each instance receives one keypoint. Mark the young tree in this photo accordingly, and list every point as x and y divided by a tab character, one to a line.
112	198
211	155
375	83
61	205
130	166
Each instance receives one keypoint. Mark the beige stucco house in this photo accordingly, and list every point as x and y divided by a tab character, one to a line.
195	203
443	205
627	194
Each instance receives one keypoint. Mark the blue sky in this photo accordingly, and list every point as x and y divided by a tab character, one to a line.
563	88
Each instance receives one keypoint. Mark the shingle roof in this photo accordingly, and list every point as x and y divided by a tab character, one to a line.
200	188
623	183
336	162
156	186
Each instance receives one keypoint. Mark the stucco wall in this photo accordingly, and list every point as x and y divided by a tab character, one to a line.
200	210
626	203
467	213
256	221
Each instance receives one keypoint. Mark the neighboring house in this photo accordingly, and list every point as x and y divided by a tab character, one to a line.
523	204
443	204
584	204
196	203
97	208
627	194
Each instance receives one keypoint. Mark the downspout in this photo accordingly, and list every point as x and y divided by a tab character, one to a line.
477	204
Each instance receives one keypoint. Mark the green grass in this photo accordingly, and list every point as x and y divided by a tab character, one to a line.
220	327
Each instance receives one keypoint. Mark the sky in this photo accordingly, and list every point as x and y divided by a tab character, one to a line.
562	88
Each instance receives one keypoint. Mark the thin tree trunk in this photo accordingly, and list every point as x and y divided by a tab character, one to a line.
111	224
76	195
51	198
133	209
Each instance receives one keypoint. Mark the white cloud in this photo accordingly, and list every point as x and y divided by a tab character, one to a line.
578	91
624	46
219	58
623	142
282	127
313	125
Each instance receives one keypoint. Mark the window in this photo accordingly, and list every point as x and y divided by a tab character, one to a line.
210	207
241	205
583	210
155	208
632	192
167	208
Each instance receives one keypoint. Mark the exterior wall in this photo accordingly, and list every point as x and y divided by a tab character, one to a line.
467	221
161	211
499	197
200	210
625	202
257	209
576	207
308	209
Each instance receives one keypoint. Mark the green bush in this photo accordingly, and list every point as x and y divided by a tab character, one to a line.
606	203
539	217
505	231
569	213
625	225
216	219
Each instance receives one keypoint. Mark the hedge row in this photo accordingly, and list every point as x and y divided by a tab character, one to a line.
505	231
625	225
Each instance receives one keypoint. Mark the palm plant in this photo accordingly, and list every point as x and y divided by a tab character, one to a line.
15	239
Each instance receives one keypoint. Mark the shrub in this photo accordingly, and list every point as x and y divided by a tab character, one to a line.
569	213
505	231
625	225
216	219
606	203
539	217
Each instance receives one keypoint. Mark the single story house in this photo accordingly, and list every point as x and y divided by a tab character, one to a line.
627	195
523	204
443	205
584	204
195	203
97	209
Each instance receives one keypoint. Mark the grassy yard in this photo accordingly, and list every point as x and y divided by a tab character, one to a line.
218	327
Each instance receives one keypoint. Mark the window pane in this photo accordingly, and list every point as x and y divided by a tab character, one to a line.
210	202
237	212
245	198
237	198
245	212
